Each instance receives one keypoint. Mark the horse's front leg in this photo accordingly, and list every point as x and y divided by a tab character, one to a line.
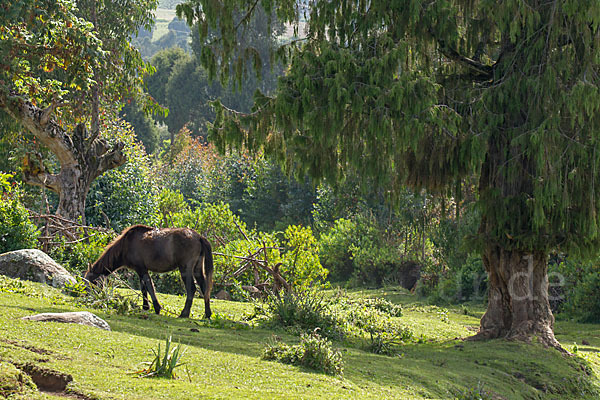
145	304
147	281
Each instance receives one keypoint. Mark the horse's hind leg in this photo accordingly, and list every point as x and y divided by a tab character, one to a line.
147	281
190	290
205	284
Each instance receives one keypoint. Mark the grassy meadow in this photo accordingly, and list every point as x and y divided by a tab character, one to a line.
222	358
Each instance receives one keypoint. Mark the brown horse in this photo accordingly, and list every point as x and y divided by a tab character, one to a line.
143	248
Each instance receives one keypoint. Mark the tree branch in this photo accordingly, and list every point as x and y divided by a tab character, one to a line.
41	179
38	122
451	53
111	159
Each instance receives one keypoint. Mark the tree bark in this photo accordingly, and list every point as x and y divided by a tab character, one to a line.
518	306
82	157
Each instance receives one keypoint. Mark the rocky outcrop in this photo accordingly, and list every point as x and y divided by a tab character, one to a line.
34	265
79	317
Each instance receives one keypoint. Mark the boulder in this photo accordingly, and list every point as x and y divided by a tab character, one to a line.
223	295
74	317
34	265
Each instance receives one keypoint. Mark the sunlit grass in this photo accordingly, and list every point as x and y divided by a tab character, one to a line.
223	357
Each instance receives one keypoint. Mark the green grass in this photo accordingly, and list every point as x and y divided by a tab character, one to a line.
223	357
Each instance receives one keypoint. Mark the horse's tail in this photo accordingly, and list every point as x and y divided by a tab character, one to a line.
208	260
207	272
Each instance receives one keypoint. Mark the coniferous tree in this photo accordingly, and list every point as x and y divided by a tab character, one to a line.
423	93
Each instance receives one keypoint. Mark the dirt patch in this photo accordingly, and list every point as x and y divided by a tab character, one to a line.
47	380
51	381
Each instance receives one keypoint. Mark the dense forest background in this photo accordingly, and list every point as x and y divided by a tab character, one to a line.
350	233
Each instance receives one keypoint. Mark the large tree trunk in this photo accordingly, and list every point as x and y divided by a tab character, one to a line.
83	157
518	307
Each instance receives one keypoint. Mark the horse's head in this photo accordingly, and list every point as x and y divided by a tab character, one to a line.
94	272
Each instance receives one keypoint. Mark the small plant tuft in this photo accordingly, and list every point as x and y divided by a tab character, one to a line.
163	365
105	296
314	352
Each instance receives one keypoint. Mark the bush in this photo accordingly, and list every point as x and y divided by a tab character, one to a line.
467	283
372	321
105	296
578	288
335	251
304	311
300	262
314	352
16	230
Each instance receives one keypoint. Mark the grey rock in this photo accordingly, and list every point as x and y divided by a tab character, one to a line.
74	317
34	265
223	295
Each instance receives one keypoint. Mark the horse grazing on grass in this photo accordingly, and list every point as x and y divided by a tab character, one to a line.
143	248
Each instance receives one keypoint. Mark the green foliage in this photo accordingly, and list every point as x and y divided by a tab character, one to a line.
467	283
576	286
146	129
373	322
163	366
77	288
77	257
312	352
16	229
105	295
304	311
424	95
364	252
300	262
126	195
335	251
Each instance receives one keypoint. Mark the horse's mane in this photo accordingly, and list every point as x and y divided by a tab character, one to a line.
116	248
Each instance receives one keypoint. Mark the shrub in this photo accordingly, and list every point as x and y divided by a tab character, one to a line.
335	251
579	290
314	352
467	283
126	195
304	311
300	262
371	321
16	230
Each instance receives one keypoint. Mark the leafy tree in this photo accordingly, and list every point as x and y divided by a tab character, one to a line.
59	64
423	93
144	125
